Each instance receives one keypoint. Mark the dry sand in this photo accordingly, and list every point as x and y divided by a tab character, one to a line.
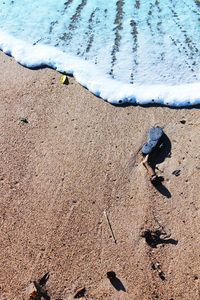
76	157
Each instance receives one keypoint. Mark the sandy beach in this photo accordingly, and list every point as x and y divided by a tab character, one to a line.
66	158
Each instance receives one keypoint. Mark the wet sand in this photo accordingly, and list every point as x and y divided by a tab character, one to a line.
75	158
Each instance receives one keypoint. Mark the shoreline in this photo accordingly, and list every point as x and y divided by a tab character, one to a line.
93	78
75	158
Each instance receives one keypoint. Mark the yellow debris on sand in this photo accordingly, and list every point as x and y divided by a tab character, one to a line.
64	79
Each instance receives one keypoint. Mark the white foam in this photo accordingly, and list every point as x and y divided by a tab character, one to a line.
91	77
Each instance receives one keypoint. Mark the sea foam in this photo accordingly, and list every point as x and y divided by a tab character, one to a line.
105	69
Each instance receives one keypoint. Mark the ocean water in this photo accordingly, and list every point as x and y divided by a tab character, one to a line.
138	51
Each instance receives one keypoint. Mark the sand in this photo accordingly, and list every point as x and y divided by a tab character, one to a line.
75	158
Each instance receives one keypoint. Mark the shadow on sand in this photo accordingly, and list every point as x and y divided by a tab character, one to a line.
162	151
155	238
115	281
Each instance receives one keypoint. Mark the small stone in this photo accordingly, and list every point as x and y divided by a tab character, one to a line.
111	275
161	275
176	173
24	120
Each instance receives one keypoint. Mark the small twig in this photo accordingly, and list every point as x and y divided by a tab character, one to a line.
108	221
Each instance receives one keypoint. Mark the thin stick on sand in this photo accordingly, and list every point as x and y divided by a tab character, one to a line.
109	225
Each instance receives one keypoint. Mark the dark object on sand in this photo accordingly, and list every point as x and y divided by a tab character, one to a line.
24	120
111	275
176	173
116	282
36	290
44	279
154	238
80	293
156	267
154	141
161	275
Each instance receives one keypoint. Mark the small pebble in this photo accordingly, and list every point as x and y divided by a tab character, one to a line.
24	120
176	173
161	275
182	121
111	275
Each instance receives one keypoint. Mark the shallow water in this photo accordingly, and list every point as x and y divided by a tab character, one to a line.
125	50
